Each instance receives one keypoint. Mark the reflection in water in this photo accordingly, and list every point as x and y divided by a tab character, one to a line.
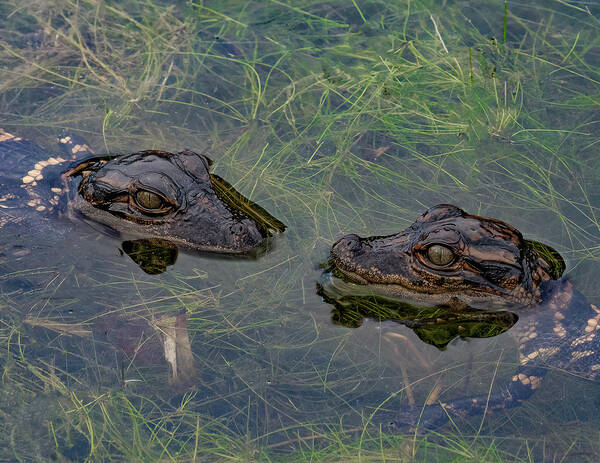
434	325
153	255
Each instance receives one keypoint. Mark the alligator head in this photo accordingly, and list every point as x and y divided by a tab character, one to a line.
448	256
171	196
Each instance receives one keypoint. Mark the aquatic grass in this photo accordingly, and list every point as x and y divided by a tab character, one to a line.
142	425
335	117
500	120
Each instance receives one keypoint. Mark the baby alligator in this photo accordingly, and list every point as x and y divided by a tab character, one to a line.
451	258
149	194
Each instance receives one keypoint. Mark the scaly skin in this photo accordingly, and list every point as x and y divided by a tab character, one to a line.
191	207
492	263
492	266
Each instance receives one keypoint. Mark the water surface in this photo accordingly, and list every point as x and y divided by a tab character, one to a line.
336	117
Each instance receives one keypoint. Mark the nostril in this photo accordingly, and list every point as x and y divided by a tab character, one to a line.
348	242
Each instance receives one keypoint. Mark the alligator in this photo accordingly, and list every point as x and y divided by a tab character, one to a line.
167	199
164	200
453	260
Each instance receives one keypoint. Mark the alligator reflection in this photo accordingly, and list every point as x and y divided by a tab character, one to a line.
153	255
436	325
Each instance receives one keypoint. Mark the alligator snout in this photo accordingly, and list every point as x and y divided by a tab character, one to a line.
346	245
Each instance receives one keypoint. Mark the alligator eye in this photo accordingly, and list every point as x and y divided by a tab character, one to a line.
148	200
440	255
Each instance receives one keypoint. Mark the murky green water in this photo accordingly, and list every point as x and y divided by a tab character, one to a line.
336	117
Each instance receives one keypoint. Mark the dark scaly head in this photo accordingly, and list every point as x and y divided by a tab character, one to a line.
165	195
448	256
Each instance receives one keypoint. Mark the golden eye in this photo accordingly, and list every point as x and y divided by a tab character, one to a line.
440	255
148	200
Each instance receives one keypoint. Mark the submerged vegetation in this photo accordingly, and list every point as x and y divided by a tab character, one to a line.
336	117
